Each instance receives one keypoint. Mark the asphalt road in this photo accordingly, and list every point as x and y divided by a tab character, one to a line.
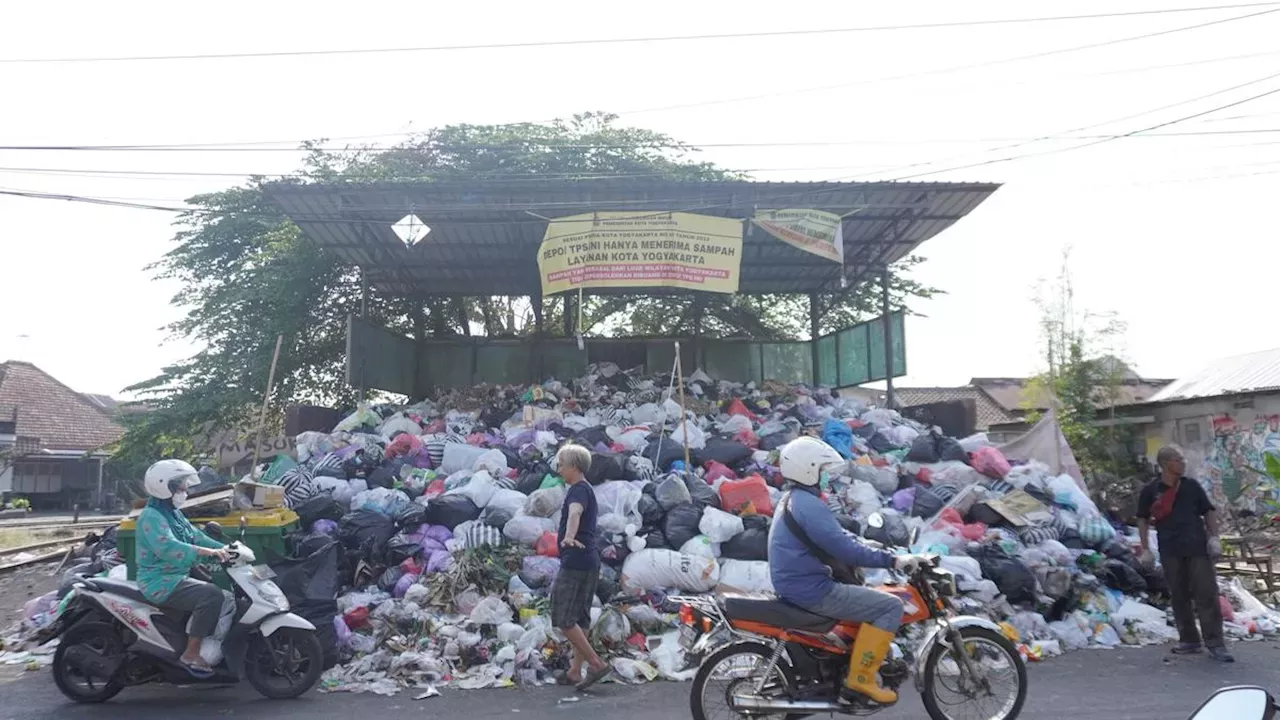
1135	684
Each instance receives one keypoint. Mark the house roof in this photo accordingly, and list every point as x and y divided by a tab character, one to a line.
485	235
1013	395
1252	372
60	417
987	410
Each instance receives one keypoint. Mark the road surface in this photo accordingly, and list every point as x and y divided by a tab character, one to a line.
1130	683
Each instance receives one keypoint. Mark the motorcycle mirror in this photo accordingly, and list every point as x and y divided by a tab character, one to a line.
214	530
1235	703
875	520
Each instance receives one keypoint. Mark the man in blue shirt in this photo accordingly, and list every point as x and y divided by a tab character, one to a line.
575	585
802	578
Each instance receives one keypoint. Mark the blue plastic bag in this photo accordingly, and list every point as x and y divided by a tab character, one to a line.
838	435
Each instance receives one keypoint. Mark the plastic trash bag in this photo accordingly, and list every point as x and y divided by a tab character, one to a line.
652	569
459	457
681	524
883	479
546	502
668	658
747	496
538	572
838	435
751	576
493	462
671	492
990	462
618	497
697	437
751	544
611	629
491	611
480	489
894	532
718	525
1068	494
451	511
526	529
651	512
863	498
362	417
633	671
698	545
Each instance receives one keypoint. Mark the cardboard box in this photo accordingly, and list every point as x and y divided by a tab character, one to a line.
262	495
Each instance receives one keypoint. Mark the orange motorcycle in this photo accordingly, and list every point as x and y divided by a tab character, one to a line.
763	656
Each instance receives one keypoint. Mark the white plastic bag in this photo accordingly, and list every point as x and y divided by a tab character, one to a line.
1066	492
526	529
1073	631
668	658
697	438
459	456
619	497
654	569
479	489
633	439
648	414
863	497
545	502
750	576
698	545
962	567
491	611
718	525
398	423
511	501
492	462
633	671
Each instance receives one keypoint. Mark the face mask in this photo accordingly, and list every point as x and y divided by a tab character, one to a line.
179	497
824	480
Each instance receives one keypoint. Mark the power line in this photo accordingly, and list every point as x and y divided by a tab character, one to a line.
634	40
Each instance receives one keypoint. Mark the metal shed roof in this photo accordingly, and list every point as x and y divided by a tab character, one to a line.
1253	372
485	236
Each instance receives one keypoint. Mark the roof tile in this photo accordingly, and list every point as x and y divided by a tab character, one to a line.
60	417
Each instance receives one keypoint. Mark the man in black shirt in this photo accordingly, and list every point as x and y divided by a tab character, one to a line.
1187	527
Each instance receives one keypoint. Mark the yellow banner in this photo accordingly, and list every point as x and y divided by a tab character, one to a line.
641	249
814	231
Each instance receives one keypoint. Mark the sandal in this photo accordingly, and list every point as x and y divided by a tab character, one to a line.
562	678
594	677
198	671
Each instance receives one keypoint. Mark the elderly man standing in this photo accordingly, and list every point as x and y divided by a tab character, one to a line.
575	585
1187	528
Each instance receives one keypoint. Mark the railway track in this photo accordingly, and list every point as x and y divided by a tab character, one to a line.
36	553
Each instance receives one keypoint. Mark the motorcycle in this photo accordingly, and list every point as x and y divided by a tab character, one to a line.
111	637
764	656
1245	702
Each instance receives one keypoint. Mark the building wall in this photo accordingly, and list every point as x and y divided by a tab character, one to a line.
1222	440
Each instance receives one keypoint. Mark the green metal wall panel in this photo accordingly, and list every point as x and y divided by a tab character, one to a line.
787	362
828	371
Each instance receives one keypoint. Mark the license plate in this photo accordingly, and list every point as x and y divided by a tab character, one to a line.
688	636
263	572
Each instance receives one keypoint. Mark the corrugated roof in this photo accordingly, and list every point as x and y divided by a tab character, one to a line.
1253	372
987	410
484	236
60	417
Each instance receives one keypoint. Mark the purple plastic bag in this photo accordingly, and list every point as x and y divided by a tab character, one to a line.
439	560
341	630
404	584
440	534
904	499
325	526
430	545
521	439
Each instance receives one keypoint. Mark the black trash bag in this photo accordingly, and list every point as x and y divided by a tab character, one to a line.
655	540
1118	575
589	437
530	481
611	553
1015	580
320	507
451	511
671	451
1038	494
757	521
1154	577
607	586
927	503
1070	538
107	540
321	614
605	467
400	548
650	511
310	578
850	524
893	532
681	525
496	517
776	440
983	513
703	494
881	444
411	517
933	447
381	477
387	581
750	544
728	452
365	531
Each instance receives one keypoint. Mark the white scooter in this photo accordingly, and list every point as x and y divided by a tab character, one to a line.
1245	702
111	637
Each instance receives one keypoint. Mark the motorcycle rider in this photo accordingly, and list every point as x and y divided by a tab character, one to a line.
169	546
801	578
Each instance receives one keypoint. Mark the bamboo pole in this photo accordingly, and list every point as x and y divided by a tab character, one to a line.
684	415
266	399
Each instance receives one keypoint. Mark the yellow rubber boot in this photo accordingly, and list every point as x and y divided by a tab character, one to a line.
869	651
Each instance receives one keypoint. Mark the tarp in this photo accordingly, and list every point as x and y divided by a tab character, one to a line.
1046	443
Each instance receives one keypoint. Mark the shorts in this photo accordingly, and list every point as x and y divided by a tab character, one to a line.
572	595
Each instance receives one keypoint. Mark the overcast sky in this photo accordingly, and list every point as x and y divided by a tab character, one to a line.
1173	233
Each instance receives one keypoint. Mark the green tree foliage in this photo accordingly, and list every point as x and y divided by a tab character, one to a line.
1084	382
248	276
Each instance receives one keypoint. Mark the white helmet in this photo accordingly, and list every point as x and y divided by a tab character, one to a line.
802	460
168	477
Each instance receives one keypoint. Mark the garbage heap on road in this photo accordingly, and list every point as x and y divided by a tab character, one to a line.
428	546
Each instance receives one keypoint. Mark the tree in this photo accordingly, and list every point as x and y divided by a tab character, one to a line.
248	276
1083	381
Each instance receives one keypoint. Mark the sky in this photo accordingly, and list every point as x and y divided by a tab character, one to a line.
1169	228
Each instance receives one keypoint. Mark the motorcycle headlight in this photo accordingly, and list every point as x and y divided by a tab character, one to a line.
944	582
271	594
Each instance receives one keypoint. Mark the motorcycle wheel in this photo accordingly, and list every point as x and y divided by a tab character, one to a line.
759	655
285	665
993	647
76	686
